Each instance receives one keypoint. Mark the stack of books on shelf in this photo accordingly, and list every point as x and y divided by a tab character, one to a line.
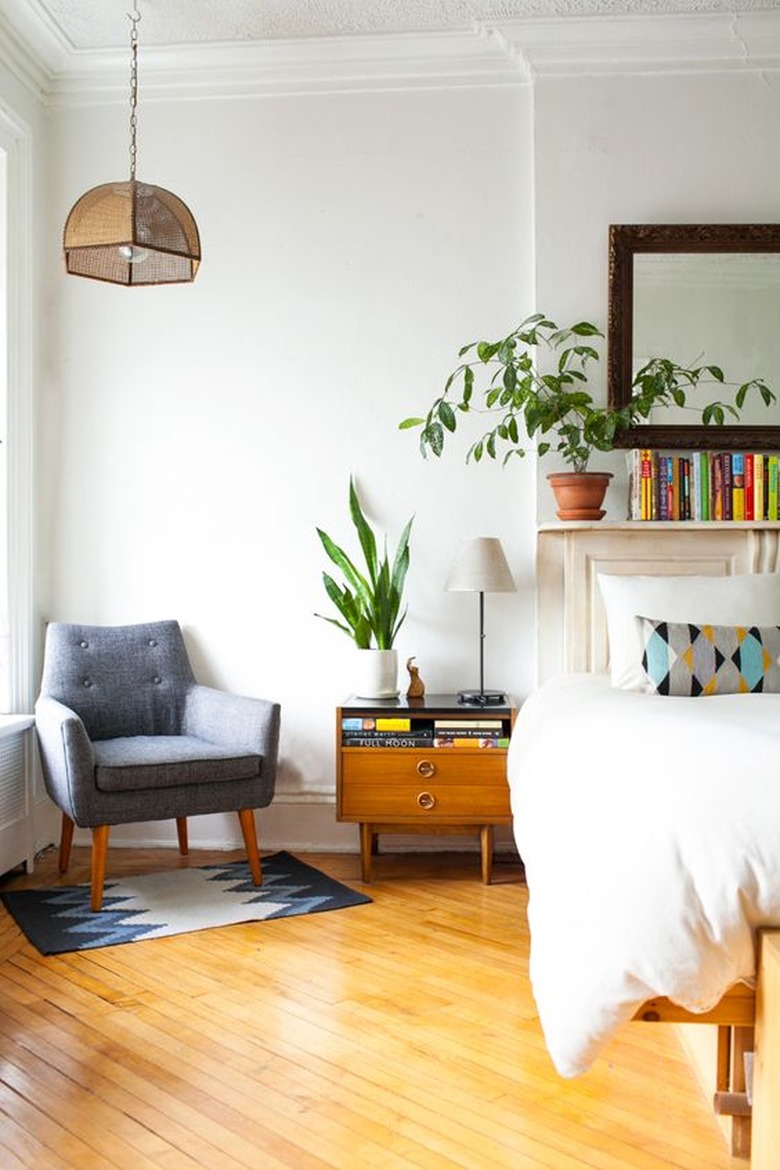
400	731
386	731
703	485
469	733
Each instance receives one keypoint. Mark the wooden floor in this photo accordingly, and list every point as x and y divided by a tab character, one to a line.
383	1037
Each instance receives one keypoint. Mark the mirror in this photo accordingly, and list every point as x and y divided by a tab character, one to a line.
700	294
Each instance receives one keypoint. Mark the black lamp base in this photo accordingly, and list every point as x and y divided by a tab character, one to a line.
482	698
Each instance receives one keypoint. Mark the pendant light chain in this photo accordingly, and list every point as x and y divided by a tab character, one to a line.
134	18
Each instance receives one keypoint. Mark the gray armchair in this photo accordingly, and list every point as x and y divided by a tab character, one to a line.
127	735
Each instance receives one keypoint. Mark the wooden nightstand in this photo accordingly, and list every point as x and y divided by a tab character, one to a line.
405	776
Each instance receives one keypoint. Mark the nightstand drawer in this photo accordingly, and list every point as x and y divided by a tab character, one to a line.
425	800
467	766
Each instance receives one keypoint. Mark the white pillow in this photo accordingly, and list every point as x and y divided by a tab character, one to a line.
743	599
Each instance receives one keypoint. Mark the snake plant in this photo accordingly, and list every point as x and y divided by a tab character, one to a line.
368	600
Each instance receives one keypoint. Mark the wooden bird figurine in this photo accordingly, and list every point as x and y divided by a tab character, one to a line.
416	688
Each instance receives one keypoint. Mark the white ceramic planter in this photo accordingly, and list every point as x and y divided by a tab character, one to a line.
376	674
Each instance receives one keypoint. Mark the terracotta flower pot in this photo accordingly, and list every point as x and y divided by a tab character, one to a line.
580	494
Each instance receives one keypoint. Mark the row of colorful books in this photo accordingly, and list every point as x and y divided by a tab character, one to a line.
399	731
703	485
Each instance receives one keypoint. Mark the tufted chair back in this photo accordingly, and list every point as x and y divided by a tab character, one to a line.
120	680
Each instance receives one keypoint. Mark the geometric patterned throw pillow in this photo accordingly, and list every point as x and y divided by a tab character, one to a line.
684	659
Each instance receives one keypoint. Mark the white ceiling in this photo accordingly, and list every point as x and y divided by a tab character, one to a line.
84	25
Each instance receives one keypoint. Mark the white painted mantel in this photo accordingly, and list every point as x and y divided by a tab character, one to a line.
571	622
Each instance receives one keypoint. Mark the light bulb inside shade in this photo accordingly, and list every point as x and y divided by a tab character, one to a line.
133	254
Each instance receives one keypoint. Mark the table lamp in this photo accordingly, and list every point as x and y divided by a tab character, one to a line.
481	567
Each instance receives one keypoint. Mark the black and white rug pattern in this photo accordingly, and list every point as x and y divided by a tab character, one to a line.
175	901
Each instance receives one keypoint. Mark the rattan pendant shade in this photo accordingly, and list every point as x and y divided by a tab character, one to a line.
131	233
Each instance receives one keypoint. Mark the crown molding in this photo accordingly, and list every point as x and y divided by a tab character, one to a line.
690	43
333	64
26	66
504	53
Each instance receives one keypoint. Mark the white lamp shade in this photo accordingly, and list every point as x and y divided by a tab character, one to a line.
480	567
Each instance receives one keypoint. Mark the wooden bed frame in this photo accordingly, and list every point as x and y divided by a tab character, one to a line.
572	634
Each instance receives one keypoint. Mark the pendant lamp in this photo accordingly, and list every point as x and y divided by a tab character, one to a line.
132	233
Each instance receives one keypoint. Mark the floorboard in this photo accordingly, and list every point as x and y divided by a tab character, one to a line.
395	1036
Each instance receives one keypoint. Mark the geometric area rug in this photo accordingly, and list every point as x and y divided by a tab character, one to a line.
174	902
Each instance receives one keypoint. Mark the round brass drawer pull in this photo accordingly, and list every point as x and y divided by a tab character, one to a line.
426	768
426	800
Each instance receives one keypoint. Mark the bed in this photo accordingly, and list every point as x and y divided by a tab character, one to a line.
649	822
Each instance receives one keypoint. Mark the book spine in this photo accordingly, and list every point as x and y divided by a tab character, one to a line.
375	723
669	488
772	469
355	724
423	736
705	484
483	725
750	486
663	488
759	507
728	487
634	467
676	488
475	742
468	732
738	486
386	741
696	485
717	487
655	490
647	485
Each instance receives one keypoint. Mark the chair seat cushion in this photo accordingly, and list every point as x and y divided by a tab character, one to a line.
137	762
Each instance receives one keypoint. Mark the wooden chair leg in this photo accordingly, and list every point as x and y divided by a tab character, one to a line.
99	851
181	831
66	841
247	818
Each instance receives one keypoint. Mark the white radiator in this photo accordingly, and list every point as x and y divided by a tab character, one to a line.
16	833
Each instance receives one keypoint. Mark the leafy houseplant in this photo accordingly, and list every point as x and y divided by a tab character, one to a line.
368	600
554	406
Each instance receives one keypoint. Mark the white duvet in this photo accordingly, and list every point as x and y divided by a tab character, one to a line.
650	831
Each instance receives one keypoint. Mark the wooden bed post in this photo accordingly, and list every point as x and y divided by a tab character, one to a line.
742	1042
766	1064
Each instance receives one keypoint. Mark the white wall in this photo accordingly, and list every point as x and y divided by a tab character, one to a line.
195	436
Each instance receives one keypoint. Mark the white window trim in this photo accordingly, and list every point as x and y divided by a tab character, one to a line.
16	141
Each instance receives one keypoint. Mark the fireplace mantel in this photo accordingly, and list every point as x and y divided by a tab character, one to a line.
571	623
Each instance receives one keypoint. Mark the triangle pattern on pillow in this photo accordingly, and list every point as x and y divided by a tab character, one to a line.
680	658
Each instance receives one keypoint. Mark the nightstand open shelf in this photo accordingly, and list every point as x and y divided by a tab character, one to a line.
412	778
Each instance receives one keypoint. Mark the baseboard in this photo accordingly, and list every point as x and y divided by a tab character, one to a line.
309	828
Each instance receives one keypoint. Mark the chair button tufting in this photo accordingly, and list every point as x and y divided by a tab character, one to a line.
87	682
157	679
152	642
83	645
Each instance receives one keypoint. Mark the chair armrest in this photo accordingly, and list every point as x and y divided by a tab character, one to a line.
67	757
234	721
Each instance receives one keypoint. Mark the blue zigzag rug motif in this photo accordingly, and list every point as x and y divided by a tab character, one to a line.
174	902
